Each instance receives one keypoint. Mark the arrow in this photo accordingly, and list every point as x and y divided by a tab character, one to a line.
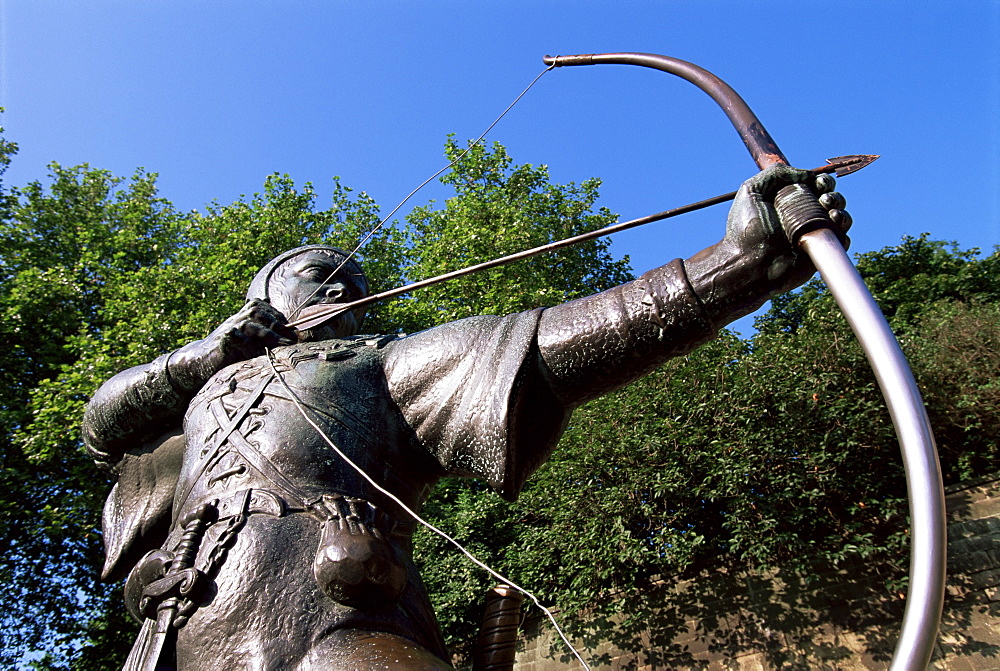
314	315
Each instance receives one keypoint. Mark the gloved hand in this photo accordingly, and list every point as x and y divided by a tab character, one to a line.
243	336
755	260
754	222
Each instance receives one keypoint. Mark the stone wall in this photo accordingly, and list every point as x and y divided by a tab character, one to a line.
839	620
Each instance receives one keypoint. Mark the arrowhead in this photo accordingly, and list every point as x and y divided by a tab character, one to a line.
845	165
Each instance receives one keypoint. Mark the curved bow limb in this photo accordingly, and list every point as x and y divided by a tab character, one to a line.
807	226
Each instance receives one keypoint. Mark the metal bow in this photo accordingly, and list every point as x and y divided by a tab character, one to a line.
807	226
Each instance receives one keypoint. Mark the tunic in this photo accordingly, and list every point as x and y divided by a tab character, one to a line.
486	397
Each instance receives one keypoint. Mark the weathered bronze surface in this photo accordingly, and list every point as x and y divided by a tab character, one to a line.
248	538
248	542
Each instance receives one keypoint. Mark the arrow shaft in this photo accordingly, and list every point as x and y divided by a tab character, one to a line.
312	316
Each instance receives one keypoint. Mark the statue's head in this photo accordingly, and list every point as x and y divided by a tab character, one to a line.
302	276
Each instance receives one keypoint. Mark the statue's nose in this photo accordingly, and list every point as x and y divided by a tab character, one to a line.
336	291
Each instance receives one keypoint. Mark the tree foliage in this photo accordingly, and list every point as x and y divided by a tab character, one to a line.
99	274
499	209
775	450
60	248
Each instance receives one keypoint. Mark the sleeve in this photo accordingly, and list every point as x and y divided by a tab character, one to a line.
594	345
137	513
131	408
491	396
469	390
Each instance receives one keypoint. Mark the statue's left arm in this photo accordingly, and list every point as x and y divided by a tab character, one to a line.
591	346
490	396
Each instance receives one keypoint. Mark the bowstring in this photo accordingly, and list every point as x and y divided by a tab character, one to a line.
427	181
357	468
502	578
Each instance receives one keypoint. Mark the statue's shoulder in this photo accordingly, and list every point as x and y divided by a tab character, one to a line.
351	344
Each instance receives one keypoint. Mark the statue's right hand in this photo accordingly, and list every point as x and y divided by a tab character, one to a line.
243	336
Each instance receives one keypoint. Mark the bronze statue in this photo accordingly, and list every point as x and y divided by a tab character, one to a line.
249	543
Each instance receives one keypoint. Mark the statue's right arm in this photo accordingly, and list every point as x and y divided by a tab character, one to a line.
145	401
131	408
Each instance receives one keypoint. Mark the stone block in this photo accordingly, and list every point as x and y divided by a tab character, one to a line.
984	508
982	580
974	544
959	664
754	662
970	562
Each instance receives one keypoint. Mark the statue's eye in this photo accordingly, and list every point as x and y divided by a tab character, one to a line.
316	273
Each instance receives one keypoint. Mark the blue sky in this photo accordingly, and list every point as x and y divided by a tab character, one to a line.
215	96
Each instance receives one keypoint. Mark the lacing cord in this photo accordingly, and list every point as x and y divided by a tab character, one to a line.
439	532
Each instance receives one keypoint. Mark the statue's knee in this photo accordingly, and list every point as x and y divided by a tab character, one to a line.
358	650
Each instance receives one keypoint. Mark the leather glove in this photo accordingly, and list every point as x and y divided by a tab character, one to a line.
755	260
243	336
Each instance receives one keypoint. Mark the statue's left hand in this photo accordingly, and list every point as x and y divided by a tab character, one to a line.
755	259
754	227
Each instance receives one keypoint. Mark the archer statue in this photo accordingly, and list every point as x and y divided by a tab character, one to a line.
247	539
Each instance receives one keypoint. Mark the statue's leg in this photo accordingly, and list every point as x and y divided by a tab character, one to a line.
358	650
263	607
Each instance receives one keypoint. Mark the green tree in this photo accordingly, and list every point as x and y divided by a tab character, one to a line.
112	276
942	303
58	248
766	453
498	209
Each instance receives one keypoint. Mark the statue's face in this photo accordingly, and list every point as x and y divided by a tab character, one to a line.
306	280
